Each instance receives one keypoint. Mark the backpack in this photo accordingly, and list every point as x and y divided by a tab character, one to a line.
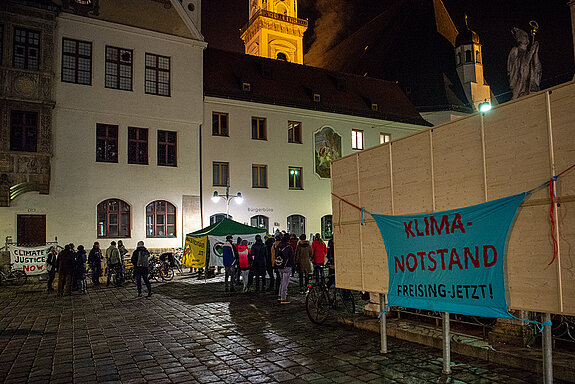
280	260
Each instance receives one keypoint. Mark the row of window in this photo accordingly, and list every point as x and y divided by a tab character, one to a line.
221	174
295	224
119	65
220	127
77	63
107	145
114	219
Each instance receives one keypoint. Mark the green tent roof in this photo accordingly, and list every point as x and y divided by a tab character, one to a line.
226	227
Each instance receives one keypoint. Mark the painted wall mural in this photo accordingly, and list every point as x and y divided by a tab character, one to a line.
327	148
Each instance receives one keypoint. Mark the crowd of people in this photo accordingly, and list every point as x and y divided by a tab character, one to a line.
71	264
278	257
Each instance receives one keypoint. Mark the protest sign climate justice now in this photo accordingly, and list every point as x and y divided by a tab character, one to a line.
450	261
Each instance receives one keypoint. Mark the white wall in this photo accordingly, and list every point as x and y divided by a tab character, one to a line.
78	182
314	201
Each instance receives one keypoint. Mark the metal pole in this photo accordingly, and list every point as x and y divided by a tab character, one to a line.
382	324
547	351
446	344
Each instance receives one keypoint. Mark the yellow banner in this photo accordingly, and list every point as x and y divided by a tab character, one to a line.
195	252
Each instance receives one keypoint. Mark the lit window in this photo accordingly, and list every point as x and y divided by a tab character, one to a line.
384	138
294	132
167	148
23	131
477	57
296	224
327	227
260	221
26	49
160	219
106	143
259	176
113	218
220	124
137	145
295	177
220	174
119	68
157	75
356	139
259	128
76	62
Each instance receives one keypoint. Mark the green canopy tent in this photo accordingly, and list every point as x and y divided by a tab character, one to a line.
209	240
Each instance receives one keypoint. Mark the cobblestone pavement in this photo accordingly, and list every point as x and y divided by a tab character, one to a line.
190	331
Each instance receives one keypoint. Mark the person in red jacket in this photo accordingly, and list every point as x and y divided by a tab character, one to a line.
319	251
245	262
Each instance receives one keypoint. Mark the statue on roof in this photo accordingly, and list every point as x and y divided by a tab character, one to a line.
523	65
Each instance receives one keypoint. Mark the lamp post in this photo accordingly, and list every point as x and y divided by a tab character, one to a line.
216	197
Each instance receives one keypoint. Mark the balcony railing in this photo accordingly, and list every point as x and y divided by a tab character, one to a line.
275	16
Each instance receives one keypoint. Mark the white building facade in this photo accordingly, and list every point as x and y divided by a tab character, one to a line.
125	131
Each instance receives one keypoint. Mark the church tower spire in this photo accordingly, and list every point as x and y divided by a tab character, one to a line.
469	66
274	30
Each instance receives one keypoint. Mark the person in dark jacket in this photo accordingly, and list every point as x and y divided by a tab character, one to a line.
285	262
51	266
269	262
260	256
293	240
95	261
65	270
303	255
230	262
141	261
80	269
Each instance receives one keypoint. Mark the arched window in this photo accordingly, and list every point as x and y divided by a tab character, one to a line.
326	227
477	57
281	9
160	219
296	224
282	56
113	218
218	217
260	221
468	58
458	58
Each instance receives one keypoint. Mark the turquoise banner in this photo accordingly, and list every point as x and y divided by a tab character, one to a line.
451	261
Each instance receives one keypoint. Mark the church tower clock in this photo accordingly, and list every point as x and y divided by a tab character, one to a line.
274	31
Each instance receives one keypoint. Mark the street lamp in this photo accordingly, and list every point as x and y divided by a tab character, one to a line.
216	197
484	106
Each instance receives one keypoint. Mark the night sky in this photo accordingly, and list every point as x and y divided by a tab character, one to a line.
491	19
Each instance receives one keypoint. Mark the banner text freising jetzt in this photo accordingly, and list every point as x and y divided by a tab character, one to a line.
451	261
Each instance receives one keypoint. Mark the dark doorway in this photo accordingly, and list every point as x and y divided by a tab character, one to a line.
31	230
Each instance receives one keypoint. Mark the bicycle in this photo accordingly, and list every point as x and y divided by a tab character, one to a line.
320	300
159	269
116	275
17	276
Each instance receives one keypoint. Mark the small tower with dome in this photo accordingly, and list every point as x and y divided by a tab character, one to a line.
469	66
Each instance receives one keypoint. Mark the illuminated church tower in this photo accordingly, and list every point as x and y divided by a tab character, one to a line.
274	31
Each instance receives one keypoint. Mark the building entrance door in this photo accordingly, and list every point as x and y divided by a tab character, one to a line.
31	230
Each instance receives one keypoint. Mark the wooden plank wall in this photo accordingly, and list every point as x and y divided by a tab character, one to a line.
515	147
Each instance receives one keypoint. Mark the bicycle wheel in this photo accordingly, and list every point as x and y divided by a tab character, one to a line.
20	277
347	300
166	272
317	304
